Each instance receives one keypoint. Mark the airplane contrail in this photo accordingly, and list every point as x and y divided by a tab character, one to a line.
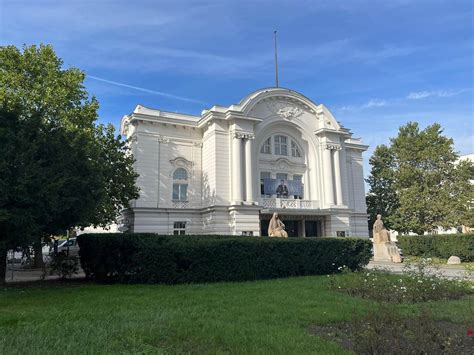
164	94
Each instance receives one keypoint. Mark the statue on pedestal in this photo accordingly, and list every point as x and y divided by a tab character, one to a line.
380	233
276	228
384	248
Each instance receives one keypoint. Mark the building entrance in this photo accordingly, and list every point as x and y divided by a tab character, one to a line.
294	226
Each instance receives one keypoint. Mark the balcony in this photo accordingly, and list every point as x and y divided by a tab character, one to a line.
289	203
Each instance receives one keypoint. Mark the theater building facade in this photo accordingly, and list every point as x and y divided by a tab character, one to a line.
229	169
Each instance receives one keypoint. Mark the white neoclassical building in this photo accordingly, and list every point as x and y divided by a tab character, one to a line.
229	169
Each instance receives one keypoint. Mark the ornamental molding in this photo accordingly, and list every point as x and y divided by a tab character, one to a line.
286	108
241	135
290	112
162	139
282	164
332	146
181	162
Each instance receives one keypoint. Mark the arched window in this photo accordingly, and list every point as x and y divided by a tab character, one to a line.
281	145
266	147
180	185
295	152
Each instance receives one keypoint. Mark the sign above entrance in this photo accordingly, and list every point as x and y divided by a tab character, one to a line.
282	188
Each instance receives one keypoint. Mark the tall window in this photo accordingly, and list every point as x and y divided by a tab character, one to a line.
179	228
263	175
300	179
281	145
266	147
180	184
295	152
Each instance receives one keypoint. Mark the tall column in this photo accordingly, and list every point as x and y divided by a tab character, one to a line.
237	188
249	173
329	186
337	176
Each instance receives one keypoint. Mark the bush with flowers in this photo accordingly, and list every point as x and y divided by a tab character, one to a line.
419	282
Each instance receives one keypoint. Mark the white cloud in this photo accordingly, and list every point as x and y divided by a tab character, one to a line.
375	103
159	93
370	104
418	95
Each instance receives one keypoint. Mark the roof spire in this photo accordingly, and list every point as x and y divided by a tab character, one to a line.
276	58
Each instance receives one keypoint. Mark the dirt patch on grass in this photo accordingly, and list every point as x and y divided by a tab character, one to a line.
409	337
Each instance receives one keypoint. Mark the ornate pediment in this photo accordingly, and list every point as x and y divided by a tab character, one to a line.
287	109
181	163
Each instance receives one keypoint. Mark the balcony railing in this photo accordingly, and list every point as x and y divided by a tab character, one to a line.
180	204
288	203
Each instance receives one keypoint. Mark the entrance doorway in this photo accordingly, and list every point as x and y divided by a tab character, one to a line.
295	226
291	227
313	228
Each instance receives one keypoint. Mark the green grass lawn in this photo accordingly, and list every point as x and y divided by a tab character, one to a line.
249	317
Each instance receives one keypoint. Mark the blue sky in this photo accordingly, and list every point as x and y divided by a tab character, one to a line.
375	64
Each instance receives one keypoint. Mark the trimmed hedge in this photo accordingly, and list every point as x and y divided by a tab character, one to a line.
439	245
151	258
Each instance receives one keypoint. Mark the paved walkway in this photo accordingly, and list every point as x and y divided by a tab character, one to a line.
28	275
451	271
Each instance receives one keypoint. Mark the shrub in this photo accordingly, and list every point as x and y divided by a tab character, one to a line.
150	258
440	245
64	266
419	282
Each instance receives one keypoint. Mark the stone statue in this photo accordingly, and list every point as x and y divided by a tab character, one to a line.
380	233
276	228
384	248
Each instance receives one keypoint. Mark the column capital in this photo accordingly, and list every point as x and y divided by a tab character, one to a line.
242	135
332	146
163	139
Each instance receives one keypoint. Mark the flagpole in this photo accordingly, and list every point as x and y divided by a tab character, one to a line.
276	57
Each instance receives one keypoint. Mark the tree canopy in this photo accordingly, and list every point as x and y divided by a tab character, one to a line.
417	182
59	168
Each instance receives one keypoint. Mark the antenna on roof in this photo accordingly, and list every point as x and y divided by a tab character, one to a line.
276	57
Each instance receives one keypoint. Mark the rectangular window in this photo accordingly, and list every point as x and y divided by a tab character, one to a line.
295	152
266	147
341	233
179	228
180	192
300	179
263	175
247	233
281	145
282	176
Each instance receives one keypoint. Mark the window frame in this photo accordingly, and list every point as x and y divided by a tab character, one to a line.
266	146
278	144
179	228
295	150
180	185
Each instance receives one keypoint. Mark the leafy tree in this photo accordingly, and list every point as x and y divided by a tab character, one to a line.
381	198
59	168
418	183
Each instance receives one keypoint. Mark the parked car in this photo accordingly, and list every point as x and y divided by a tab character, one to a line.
69	247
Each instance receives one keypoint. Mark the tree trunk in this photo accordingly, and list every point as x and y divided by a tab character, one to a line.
3	266
38	249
